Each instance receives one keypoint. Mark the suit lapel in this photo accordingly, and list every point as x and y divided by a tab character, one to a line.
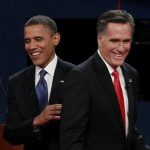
105	81
58	81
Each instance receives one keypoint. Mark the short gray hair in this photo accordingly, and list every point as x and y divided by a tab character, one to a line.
114	16
43	20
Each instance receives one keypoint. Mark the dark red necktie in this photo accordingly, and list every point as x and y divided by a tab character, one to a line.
119	93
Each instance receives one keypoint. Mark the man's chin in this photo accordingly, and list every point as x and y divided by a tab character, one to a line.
36	63
118	63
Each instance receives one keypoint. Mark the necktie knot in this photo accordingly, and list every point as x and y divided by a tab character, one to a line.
115	74
42	73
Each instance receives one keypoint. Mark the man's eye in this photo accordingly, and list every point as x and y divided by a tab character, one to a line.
26	41
114	41
39	39
126	42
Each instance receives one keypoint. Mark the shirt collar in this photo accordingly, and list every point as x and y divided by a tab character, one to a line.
110	69
50	68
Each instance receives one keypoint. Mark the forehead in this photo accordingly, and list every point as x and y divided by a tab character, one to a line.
36	29
116	27
119	29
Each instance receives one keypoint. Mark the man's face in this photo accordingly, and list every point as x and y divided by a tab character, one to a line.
115	43
40	44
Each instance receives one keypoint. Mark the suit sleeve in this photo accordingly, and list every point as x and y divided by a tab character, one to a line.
18	130
75	112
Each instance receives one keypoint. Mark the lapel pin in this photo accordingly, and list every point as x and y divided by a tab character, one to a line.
130	80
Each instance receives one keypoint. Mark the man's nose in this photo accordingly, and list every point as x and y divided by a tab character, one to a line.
120	46
32	45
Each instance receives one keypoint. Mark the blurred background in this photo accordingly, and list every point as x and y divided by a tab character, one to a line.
76	20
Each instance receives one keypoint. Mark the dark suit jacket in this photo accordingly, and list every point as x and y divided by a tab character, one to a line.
91	119
23	107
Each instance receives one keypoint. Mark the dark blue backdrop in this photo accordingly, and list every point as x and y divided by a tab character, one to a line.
13	15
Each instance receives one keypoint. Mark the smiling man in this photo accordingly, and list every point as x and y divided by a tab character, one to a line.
34	94
99	99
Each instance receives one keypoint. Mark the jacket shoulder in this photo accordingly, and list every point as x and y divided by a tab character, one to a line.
22	73
129	68
65	66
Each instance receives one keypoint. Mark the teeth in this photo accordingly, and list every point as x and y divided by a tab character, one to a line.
118	55
35	53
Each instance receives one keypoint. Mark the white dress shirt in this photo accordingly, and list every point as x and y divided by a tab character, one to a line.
50	68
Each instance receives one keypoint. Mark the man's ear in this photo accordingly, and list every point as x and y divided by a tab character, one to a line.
100	38
56	38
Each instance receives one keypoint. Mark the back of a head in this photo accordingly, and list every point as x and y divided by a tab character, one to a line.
114	16
42	20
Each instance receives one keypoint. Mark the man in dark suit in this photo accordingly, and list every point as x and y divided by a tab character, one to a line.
26	123
91	116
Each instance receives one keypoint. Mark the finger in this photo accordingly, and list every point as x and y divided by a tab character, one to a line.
54	107
56	117
54	112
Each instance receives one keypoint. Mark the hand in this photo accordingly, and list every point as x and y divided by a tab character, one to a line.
50	112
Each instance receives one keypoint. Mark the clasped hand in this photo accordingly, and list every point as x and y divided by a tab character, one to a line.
50	112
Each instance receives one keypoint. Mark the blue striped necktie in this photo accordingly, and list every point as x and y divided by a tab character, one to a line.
42	90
